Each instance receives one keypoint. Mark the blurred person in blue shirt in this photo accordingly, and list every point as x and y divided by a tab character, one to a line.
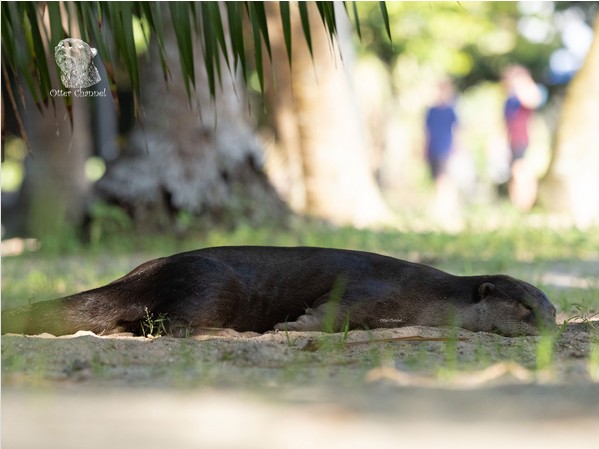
441	125
441	120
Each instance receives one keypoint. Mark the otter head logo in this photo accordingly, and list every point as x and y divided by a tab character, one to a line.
74	57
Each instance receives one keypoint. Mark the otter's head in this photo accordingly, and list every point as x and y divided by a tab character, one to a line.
74	57
511	307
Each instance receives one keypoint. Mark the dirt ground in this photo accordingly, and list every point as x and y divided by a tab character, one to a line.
408	387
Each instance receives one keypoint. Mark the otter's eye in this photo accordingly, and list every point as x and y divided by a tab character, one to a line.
524	310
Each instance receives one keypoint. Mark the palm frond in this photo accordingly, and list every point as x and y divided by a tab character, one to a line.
305	19
108	26
286	25
385	15
235	20
180	15
150	10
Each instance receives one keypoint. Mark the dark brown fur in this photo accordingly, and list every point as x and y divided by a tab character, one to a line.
264	288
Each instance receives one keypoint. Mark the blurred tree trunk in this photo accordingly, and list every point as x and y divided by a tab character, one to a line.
572	182
200	155
321	136
51	200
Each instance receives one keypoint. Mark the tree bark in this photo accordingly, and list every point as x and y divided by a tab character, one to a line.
51	200
197	155
572	182
321	136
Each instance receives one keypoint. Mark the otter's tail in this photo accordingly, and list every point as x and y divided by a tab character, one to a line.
63	316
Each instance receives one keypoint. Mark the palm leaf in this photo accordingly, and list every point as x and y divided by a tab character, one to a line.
259	18
235	20
9	49
13	103
286	24
56	31
356	18
150	10
255	22
211	57
180	17
121	20
327	14
219	31
24	38
90	18
385	15
305	19
39	58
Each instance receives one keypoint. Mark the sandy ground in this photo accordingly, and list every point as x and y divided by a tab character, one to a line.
409	387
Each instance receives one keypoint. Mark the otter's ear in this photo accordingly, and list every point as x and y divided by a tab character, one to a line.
94	52
485	290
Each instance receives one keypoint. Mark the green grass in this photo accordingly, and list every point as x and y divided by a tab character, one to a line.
152	326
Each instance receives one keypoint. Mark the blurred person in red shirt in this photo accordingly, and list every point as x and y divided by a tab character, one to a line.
523	98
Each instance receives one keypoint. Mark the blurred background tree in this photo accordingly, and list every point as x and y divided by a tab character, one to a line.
194	151
572	183
332	115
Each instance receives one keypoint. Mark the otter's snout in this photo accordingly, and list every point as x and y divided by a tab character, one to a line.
544	314
515	307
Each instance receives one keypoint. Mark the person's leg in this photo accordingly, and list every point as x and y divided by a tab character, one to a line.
523	183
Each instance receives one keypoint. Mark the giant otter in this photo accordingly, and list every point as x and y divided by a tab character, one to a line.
250	288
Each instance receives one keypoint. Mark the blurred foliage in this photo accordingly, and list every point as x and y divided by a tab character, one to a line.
470	41
12	166
106	219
